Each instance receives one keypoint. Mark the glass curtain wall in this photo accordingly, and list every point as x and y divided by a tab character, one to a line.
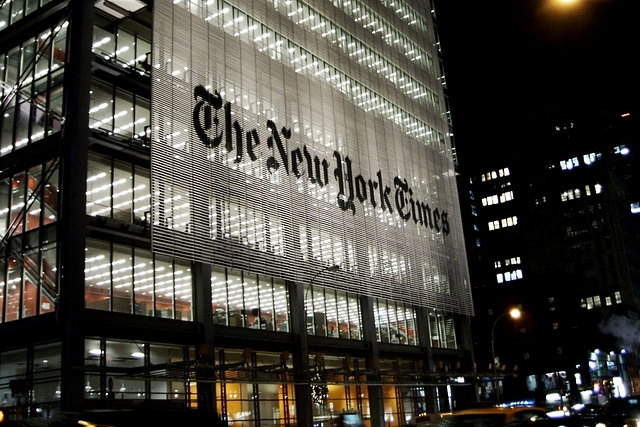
332	313
248	300
137	371
442	329
261	393
395	322
40	367
127	49
32	90
13	11
338	385
118	112
119	190
128	279
403	390
28	263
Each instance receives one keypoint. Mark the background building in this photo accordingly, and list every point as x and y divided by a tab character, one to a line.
554	231
247	207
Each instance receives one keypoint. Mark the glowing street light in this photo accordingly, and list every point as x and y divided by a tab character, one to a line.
515	314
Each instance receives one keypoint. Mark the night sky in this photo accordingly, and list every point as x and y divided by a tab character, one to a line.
513	64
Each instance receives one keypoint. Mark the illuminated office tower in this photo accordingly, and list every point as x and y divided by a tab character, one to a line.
555	232
241	206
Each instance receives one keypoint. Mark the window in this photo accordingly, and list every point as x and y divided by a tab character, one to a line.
395	322
130	280
256	401
249	300
117	190
618	297
503	223
28	272
32	109
121	356
333	313
126	49
442	329
29	200
11	11
118	112
250	225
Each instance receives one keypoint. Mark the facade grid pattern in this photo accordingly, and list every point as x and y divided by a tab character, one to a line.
256	158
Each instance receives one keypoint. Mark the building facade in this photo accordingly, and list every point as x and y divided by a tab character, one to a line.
247	207
554	231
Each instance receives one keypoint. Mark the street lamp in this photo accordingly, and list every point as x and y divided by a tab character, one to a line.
331	268
515	314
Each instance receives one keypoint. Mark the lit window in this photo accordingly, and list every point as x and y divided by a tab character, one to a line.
555	325
618	297
598	188
577	193
621	149
507	196
607	301
497	264
499	278
589	158
587	190
635	208
589	303
596	301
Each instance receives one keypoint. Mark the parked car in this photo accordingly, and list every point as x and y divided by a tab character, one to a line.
494	417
